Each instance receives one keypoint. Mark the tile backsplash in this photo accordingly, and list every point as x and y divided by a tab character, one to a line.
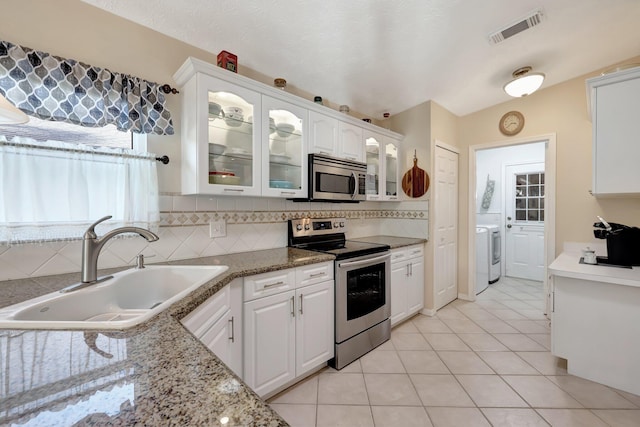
252	224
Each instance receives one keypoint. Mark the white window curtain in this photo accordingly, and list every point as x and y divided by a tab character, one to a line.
55	190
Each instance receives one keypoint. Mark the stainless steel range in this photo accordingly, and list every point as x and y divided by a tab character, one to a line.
362	295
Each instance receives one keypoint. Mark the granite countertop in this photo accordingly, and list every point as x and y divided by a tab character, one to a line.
568	265
153	374
394	242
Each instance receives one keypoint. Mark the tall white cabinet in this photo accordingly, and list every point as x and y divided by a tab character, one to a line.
615	103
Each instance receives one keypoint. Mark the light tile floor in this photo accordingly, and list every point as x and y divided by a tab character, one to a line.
483	363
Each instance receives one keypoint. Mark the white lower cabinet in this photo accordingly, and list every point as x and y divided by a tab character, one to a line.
289	333
399	280
407	282
269	342
217	323
314	327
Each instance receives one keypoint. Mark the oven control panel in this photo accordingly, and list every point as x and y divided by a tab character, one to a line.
318	226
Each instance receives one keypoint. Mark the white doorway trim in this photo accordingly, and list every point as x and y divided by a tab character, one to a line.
549	207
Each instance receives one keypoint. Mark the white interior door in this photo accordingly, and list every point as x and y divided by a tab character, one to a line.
524	213
446	226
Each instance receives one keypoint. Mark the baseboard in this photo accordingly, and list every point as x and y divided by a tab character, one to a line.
466	297
428	312
283	387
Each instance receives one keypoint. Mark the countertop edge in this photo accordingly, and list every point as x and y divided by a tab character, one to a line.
394	242
567	265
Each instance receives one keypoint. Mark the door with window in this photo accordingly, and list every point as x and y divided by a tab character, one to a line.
524	228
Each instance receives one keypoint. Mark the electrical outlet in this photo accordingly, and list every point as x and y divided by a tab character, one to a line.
218	228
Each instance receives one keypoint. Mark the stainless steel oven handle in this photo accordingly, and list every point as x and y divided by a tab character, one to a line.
361	262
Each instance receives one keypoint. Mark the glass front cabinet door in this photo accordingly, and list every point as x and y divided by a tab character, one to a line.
284	146
382	166
227	159
373	149
391	147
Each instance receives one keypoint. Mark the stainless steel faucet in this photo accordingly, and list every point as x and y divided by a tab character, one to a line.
91	247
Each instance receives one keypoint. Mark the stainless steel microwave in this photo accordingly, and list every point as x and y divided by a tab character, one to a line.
335	180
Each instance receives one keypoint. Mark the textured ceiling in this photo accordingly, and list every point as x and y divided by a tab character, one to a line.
381	55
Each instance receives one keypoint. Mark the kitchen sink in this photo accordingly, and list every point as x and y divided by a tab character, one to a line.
125	300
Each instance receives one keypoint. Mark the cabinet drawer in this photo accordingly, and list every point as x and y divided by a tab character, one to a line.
415	251
398	255
207	313
314	273
274	282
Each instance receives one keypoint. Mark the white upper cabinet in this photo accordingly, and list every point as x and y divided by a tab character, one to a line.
391	169
615	103
284	138
336	138
220	138
323	134
244	138
350	142
373	146
381	156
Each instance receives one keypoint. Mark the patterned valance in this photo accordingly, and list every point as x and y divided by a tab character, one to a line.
54	88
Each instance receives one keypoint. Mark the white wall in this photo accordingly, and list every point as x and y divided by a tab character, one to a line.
492	162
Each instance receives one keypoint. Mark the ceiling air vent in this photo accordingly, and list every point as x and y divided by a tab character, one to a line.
531	20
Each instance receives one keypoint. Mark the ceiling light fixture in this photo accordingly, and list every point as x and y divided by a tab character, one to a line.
10	115
524	82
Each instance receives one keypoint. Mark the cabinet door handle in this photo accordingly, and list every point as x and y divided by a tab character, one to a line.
232	337
293	308
322	273
411	270
326	153
271	285
301	312
238	190
407	270
350	158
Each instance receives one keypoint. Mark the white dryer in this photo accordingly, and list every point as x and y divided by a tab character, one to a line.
482	259
495	251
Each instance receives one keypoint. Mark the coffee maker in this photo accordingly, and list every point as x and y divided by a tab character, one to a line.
623	243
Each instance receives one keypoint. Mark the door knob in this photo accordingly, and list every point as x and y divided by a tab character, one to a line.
509	218
509	226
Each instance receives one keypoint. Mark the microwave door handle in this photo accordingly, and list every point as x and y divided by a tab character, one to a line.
361	262
355	184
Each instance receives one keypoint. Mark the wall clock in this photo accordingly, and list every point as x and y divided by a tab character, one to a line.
511	123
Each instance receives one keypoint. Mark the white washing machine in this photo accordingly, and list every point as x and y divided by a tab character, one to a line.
495	251
482	259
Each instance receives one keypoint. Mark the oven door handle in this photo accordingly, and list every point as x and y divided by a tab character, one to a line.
361	262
